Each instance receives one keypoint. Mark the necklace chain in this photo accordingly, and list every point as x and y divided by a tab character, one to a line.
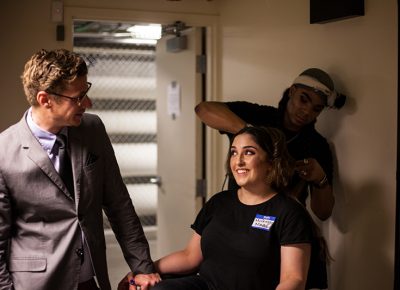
292	138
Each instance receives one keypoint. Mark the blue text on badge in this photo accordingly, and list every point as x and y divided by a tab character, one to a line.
263	222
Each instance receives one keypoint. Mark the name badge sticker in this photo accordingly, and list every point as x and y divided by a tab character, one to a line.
263	222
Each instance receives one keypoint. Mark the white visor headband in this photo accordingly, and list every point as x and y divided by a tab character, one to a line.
318	86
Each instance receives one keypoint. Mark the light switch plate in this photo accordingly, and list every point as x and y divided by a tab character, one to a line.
57	11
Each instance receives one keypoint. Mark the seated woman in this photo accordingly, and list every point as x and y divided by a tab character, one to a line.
255	237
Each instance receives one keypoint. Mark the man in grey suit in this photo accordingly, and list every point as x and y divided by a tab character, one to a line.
51	234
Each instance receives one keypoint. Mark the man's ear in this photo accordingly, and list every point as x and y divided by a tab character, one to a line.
43	99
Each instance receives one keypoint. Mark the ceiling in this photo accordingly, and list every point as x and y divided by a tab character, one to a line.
115	32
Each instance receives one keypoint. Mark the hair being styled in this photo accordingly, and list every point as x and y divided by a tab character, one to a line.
273	142
51	70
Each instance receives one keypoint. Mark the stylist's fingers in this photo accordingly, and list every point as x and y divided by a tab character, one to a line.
309	169
304	168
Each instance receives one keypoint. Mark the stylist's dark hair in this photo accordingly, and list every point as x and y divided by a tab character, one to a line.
273	142
283	102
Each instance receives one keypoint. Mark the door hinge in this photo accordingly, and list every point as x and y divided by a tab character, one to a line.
201	64
201	188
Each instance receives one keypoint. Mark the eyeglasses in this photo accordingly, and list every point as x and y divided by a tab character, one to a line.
77	100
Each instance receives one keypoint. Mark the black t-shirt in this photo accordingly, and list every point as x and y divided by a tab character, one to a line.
241	243
308	143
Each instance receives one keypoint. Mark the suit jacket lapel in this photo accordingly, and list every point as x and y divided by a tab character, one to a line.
34	151
76	154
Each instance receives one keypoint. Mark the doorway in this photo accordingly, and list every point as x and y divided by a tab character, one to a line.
123	72
127	88
124	81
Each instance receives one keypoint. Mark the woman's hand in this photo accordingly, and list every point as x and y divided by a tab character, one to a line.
130	282
124	284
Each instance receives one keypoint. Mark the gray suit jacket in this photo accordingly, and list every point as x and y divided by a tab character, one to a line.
40	222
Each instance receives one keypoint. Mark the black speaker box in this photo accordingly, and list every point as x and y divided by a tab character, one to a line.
322	11
60	34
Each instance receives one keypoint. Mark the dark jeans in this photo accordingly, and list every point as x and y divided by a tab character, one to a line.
194	282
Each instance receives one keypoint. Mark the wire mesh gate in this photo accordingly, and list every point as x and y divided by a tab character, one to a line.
123	95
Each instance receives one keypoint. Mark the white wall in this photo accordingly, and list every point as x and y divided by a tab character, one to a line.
265	44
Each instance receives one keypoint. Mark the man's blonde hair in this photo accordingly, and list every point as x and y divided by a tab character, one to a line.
51	71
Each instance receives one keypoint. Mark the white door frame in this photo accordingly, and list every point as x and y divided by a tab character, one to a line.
214	161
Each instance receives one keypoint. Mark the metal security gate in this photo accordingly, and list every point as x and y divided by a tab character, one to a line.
123	95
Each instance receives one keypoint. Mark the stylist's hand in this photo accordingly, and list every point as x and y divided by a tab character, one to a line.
130	282
310	170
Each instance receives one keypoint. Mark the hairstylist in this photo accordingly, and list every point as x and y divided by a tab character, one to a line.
298	110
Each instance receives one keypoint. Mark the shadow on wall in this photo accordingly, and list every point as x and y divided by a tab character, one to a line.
360	225
361	218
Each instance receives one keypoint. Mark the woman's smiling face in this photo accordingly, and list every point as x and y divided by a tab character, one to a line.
248	161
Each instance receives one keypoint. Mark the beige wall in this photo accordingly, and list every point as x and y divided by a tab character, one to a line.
264	44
